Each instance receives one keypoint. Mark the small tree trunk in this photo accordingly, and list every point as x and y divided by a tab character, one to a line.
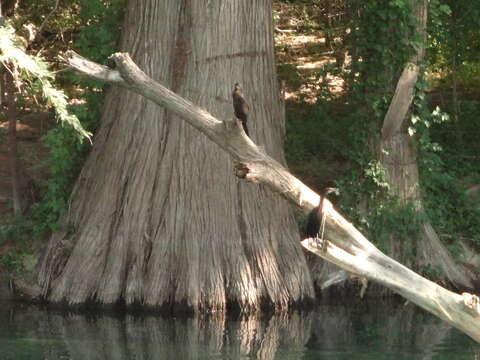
328	28
14	163
455	102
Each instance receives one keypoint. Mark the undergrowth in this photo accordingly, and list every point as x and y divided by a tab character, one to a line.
97	25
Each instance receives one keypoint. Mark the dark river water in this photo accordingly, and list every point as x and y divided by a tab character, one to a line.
361	331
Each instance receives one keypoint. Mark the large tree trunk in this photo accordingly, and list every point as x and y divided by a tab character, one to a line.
398	156
156	216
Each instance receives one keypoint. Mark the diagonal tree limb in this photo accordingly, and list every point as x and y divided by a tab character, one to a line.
401	101
346	247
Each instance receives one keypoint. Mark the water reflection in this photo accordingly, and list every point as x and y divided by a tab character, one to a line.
331	332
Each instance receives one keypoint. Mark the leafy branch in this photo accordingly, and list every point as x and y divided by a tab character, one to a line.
31	68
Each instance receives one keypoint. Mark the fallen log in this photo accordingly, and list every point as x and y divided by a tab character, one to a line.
345	245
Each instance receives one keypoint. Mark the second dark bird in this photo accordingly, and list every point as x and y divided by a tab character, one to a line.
240	106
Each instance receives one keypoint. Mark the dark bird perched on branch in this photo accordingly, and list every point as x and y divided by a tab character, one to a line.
240	106
316	219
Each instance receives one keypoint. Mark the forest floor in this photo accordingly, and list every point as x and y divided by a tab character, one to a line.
305	59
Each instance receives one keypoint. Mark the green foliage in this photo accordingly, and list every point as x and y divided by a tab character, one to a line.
382	43
33	71
430	271
15	232
64	161
392	219
12	263
95	28
14	228
324	144
449	145
366	199
33	77
96	41
382	40
442	169
320	154
316	142
455	41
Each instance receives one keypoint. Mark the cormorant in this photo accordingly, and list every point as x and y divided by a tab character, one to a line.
316	219
240	106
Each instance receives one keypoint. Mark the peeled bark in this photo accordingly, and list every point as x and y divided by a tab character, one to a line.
156	217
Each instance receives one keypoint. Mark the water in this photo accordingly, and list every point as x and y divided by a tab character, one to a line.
365	331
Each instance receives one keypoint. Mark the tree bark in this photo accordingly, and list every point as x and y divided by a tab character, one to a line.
346	247
398	156
156	217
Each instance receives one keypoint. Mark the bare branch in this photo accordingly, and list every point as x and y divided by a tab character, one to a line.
91	69
460	311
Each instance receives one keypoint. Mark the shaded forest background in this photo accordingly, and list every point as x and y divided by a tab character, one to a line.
332	113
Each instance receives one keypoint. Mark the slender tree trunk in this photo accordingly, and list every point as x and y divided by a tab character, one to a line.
455	102
156	216
2	70
399	158
328	28
12	143
3	101
454	70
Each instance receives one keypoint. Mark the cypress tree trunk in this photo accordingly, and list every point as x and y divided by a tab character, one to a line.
156	216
